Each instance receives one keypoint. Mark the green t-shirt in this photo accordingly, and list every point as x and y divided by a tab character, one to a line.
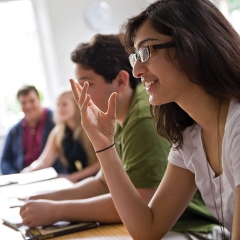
142	151
196	218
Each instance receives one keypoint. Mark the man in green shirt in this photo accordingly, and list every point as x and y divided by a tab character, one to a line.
143	154
103	62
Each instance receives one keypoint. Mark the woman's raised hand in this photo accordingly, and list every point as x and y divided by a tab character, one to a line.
98	125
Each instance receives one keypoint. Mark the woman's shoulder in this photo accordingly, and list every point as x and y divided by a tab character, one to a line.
234	109
191	131
233	114
191	138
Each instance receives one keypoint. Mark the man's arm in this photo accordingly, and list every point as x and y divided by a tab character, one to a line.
89	200
7	158
87	188
100	209
84	173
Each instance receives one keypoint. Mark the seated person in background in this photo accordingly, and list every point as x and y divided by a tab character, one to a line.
68	141
103	62
26	140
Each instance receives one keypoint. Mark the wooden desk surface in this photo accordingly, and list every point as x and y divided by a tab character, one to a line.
107	232
104	232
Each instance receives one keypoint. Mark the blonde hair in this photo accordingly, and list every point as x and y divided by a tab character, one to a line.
78	133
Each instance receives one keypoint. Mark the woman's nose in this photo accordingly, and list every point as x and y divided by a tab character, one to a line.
138	69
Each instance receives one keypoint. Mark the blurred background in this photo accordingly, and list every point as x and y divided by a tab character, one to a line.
37	37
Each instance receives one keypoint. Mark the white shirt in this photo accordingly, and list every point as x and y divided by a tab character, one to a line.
192	157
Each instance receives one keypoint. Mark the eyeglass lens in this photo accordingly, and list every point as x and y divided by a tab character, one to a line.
142	54
132	59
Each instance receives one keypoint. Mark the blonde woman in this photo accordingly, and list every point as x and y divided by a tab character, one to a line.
69	142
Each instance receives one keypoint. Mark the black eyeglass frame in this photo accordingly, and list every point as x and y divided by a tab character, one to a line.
150	48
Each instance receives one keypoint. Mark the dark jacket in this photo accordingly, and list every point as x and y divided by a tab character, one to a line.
12	160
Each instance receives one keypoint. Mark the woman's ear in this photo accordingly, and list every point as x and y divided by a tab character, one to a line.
122	80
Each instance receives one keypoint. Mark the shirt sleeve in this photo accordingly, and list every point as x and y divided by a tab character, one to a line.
8	156
176	158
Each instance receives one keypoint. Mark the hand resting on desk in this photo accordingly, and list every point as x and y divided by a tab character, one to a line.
46	212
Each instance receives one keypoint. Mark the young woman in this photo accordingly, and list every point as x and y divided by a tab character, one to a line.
69	142
187	56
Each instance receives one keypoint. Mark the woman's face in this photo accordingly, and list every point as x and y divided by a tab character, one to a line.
163	79
65	108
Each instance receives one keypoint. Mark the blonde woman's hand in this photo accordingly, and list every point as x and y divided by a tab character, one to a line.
70	177
98	125
26	170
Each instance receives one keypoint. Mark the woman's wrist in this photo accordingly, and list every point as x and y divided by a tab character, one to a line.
104	149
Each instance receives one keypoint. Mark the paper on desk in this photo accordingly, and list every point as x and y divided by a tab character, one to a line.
23	191
37	176
30	177
8	179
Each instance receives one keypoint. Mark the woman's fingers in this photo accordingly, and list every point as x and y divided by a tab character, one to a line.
112	105
75	89
79	87
85	103
79	92
25	216
83	94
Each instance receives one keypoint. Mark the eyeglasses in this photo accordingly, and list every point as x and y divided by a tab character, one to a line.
144	53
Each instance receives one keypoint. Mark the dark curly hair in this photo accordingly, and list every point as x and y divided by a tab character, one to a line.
106	56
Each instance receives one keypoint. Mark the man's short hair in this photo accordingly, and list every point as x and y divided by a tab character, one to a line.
106	56
25	90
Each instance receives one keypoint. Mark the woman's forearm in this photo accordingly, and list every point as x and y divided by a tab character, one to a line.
36	165
133	211
151	221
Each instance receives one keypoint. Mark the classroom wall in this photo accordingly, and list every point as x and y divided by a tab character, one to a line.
61	26
68	27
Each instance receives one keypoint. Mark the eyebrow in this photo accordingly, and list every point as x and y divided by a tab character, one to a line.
85	78
145	40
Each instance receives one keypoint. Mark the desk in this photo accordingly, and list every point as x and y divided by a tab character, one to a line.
104	232
107	232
